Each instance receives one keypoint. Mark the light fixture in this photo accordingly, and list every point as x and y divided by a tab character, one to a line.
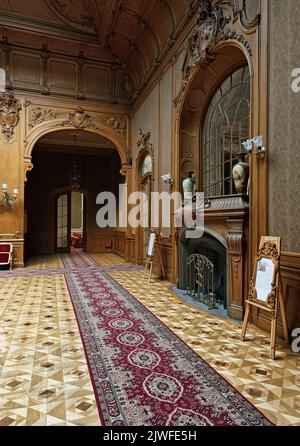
74	175
257	141
8	200
167	178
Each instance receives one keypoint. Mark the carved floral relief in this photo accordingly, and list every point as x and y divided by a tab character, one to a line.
78	119
9	115
213	26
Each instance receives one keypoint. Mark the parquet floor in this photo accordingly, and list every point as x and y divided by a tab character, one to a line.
44	378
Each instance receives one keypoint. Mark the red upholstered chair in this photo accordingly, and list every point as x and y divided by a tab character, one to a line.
76	239
6	254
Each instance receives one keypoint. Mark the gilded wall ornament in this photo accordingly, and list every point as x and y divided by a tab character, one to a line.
143	142
9	115
39	115
212	27
117	123
78	119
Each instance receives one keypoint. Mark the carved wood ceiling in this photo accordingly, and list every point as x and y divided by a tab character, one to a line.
132	33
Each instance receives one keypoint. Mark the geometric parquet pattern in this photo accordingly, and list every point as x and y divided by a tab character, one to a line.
44	379
271	386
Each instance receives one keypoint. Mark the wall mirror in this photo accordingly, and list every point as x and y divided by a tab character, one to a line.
265	275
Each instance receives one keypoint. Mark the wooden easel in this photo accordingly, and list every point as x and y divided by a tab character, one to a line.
269	248
150	256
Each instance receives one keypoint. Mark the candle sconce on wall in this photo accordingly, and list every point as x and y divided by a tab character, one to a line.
257	142
8	200
167	178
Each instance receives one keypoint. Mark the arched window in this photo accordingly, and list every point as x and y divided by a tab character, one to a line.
226	126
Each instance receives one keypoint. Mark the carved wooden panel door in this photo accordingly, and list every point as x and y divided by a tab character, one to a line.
63	222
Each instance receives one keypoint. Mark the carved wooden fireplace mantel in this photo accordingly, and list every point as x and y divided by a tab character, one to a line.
226	218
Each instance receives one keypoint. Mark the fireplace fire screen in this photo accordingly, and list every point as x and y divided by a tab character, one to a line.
200	279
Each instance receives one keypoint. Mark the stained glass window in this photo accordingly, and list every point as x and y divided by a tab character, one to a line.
226	126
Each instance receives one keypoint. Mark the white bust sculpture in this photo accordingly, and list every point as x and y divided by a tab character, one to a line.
188	186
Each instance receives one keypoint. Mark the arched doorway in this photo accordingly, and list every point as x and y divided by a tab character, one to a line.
69	215
61	191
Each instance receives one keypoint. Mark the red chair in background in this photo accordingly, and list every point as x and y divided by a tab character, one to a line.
76	240
6	255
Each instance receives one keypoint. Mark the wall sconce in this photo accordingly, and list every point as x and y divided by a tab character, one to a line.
7	199
167	178
257	141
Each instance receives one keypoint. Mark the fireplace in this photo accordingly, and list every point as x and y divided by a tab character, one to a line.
225	245
205	258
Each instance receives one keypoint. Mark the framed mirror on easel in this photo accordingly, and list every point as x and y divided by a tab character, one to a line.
266	289
152	244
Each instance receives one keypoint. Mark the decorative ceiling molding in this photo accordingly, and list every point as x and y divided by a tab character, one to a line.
148	29
132	46
40	26
144	24
79	14
168	8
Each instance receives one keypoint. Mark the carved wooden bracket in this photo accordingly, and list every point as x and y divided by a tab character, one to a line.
9	115
28	166
234	239
125	169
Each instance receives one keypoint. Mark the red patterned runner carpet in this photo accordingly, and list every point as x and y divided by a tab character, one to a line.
142	373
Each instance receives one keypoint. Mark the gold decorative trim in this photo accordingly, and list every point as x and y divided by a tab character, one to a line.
78	119
269	250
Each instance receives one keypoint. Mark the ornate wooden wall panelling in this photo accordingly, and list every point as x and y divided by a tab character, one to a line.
119	243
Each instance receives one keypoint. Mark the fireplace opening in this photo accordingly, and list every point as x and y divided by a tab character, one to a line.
203	270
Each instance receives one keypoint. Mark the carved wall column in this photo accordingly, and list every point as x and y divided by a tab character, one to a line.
11	173
235	239
126	171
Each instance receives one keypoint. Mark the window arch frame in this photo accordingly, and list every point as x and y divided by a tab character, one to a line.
217	88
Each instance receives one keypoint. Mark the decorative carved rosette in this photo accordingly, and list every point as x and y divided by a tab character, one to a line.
9	115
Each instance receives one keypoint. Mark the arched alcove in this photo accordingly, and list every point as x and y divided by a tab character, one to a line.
53	158
206	81
212	88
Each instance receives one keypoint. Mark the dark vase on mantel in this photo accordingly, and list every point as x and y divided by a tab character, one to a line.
240	174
